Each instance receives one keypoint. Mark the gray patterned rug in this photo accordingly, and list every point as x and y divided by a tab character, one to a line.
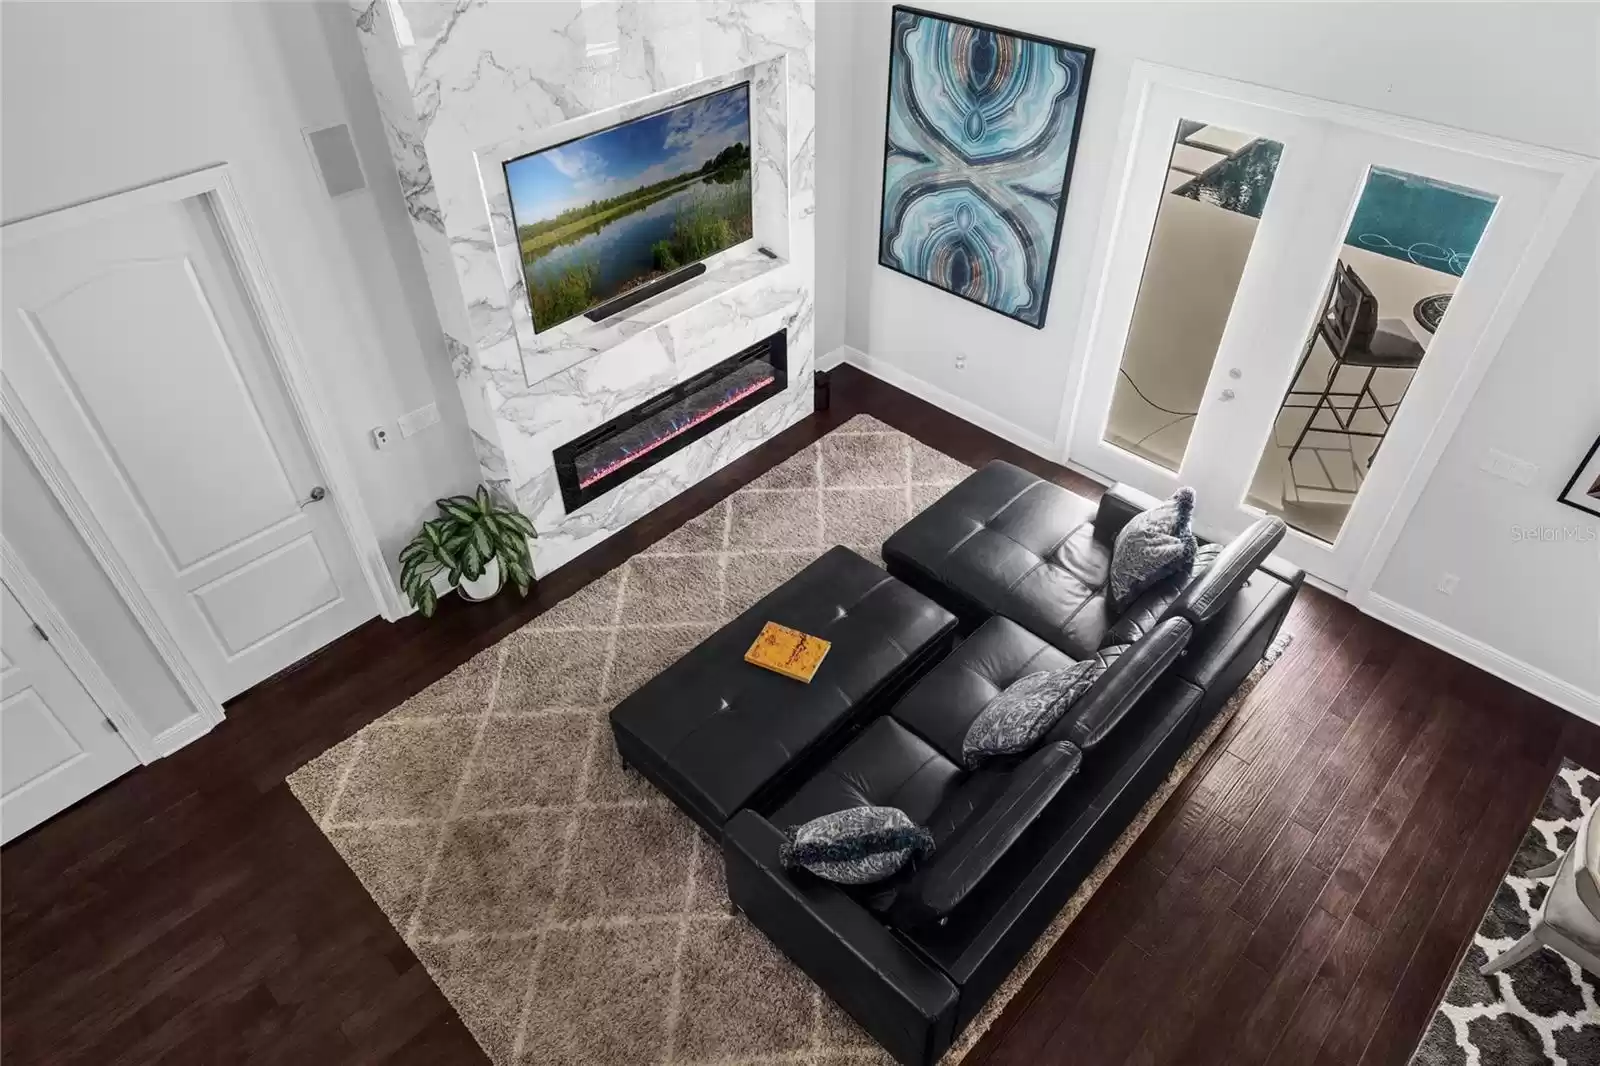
571	915
1543	1009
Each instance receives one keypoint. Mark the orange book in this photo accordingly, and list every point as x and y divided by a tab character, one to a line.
788	652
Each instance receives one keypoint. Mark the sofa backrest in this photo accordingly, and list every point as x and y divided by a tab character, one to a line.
1201	598
961	863
1125	681
1207	594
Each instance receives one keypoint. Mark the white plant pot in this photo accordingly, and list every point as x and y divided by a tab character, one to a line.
486	586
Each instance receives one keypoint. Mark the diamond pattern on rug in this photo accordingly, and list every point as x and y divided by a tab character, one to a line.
1544	1009
565	908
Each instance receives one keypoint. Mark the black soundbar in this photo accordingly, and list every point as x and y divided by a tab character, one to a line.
644	292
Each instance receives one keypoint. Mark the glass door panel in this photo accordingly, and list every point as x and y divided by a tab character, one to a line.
1409	241
1295	301
1215	187
1185	256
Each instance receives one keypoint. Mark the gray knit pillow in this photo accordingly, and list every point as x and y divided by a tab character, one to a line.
1013	721
857	846
1155	544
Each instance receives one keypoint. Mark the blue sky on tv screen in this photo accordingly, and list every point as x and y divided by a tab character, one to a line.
628	156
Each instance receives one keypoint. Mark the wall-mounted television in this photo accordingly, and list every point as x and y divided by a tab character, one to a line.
602	215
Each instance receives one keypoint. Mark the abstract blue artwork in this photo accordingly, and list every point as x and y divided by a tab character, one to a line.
982	128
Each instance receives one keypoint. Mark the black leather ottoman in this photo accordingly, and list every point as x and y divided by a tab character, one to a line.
717	734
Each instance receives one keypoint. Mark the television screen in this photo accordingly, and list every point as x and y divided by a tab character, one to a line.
602	214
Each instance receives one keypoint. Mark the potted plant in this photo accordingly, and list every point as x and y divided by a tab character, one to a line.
476	542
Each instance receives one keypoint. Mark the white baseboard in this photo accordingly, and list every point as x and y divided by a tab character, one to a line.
1568	697
185	732
829	360
964	409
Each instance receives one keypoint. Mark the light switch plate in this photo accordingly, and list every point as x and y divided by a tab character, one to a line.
414	422
1509	467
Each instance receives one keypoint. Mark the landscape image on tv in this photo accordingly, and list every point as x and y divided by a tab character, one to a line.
605	213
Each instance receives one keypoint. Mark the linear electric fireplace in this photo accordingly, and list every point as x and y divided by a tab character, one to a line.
641	437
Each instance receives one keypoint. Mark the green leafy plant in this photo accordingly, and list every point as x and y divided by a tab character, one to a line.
469	532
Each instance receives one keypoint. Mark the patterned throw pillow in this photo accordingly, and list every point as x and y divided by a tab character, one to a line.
1155	544
857	846
1013	721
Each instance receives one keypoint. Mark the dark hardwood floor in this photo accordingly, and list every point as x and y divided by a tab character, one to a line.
1300	900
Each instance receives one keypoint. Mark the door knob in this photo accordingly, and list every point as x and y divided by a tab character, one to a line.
316	496
1227	394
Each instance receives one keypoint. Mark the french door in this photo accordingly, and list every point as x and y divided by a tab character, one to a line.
1295	298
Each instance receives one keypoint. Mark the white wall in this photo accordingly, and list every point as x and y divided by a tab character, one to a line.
835	197
102	97
1533	599
1538	81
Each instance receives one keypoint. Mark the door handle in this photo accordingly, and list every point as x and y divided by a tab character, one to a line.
317	495
1227	394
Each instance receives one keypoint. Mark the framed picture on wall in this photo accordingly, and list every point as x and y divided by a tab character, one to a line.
1583	491
982	130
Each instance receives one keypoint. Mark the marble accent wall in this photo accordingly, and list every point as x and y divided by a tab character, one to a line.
464	85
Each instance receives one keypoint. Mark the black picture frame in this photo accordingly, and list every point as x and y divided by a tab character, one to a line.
1066	178
1590	465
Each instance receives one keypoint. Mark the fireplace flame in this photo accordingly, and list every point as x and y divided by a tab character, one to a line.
677	428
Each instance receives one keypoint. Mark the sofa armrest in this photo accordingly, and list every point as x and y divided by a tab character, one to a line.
1284	571
1123	684
1210	592
904	1001
1118	504
940	885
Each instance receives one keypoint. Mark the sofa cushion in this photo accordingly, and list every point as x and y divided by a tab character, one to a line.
1154	546
1006	542
886	766
857	846
1013	721
942	706
982	839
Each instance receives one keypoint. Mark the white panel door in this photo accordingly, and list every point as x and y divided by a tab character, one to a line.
132	345
56	746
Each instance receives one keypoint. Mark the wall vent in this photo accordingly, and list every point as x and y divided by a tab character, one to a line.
337	162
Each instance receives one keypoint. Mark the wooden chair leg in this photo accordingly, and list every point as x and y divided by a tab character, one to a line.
1514	954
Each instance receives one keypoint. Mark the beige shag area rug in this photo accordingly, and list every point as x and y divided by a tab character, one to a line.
567	910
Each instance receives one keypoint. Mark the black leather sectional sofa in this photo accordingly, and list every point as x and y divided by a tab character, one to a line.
1022	565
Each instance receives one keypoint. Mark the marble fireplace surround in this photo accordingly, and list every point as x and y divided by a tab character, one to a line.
464	86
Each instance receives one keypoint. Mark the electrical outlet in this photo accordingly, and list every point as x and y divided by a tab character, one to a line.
414	422
381	438
1447	583
961	361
